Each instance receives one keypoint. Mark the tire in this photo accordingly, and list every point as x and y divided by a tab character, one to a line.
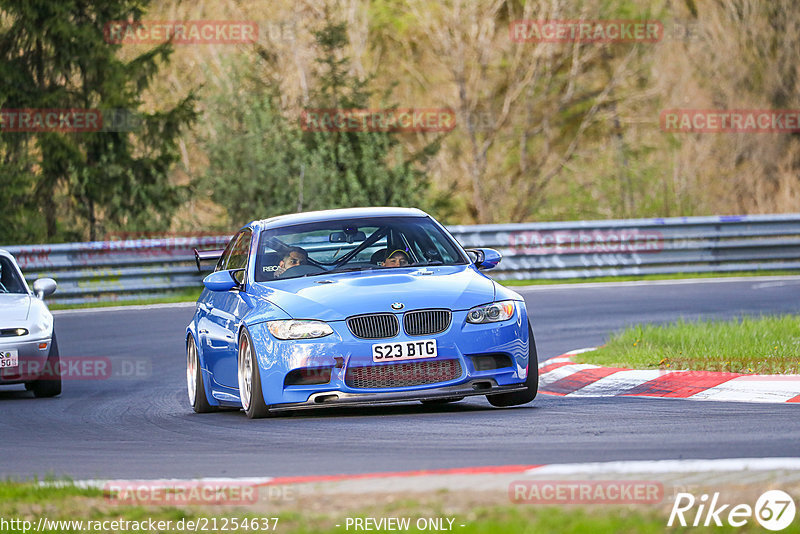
436	402
250	379
49	387
516	398
194	380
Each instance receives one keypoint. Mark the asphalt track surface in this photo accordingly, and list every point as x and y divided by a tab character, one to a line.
144	428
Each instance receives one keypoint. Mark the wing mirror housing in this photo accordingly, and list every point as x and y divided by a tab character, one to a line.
221	281
44	287
484	258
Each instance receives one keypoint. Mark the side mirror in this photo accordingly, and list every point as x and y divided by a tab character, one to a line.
484	258
43	287
220	281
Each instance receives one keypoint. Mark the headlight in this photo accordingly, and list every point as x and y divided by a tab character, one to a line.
13	332
298	329
491	313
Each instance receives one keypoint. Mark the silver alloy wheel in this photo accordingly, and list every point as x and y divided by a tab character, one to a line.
245	372
191	371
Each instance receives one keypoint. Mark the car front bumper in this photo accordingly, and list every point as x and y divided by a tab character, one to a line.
341	351
32	355
333	398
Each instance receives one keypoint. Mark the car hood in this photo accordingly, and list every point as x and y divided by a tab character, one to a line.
14	308
338	296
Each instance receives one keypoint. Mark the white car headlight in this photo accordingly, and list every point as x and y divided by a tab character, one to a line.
491	313
299	329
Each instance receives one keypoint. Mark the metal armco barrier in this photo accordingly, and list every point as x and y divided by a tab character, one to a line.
127	269
144	268
585	249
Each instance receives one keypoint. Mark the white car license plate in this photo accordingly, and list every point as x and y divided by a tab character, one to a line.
404	350
9	358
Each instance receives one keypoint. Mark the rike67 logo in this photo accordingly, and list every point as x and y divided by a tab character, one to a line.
774	510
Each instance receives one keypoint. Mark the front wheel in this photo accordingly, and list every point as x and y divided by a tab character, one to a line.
250	380
49	387
531	382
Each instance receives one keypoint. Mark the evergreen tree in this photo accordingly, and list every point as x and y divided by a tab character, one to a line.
357	168
255	157
53	55
262	164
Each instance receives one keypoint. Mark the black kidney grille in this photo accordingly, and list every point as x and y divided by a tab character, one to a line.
374	326
399	375
426	322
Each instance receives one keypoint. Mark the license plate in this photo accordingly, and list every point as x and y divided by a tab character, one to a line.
9	358
404	350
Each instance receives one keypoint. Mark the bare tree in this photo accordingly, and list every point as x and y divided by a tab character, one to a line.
541	97
743	54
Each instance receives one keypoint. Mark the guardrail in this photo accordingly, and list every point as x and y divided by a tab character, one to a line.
144	268
120	270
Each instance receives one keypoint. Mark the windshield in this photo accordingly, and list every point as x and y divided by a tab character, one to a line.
353	245
10	281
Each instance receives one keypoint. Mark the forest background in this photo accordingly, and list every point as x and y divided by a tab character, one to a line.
543	131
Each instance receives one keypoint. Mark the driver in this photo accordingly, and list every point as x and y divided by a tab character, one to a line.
294	256
398	258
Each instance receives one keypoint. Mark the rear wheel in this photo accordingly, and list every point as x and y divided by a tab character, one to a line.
531	382
194	380
51	386
250	380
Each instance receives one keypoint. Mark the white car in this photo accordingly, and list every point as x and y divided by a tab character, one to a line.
28	347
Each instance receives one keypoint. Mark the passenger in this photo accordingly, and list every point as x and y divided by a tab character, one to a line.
398	258
378	257
294	256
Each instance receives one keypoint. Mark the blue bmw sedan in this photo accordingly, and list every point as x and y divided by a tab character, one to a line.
351	307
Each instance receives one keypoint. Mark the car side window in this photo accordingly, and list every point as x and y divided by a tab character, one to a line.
235	254
9	281
226	254
239	252
434	247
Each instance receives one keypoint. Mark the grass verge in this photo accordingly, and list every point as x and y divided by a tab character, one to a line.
27	502
760	345
675	276
185	295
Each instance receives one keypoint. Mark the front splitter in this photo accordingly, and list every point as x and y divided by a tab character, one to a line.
334	398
